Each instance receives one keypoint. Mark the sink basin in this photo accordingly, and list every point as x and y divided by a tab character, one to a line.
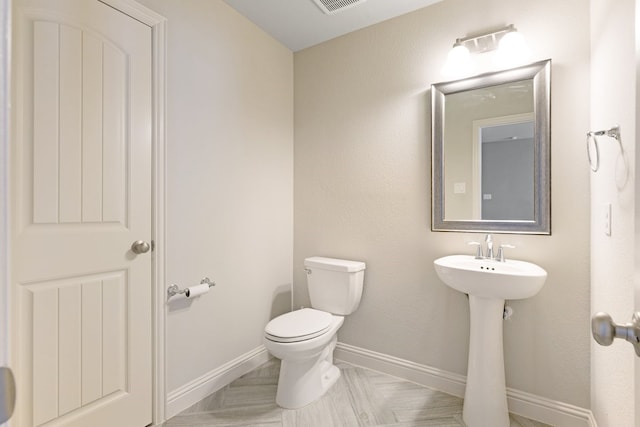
488	283
487	278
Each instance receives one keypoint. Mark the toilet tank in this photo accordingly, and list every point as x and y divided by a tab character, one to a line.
335	285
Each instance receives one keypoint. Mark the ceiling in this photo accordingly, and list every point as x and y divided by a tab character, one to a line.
299	24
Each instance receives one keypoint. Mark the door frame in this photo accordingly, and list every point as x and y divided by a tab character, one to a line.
476	152
157	23
5	52
636	281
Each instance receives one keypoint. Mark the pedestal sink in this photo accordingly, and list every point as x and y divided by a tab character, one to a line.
488	283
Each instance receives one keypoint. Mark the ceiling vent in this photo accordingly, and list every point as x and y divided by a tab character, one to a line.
334	6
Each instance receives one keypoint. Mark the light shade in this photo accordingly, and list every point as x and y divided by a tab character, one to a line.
512	50
459	63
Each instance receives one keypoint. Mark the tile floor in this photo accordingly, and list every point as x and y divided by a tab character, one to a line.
361	397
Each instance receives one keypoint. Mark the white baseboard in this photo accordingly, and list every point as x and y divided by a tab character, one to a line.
420	374
548	411
525	404
194	391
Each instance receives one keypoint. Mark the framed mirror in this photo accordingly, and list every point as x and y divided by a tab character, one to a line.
490	158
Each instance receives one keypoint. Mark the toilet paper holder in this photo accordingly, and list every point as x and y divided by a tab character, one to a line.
175	289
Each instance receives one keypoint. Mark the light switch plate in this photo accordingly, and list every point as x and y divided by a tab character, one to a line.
607	219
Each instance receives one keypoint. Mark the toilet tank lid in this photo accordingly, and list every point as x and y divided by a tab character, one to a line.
334	264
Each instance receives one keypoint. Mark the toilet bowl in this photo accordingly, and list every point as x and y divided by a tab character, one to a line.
304	340
307	370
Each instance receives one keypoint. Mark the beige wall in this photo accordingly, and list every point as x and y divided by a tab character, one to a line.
229	183
613	101
362	191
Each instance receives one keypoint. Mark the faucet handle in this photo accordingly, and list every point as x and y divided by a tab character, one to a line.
500	256
478	250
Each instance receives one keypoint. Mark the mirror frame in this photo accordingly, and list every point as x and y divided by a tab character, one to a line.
540	73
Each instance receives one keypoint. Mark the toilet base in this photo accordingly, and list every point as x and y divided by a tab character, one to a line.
304	381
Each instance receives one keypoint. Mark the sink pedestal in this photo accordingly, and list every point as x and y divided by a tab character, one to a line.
488	283
485	397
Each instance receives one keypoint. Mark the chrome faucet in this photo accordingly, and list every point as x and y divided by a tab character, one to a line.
488	253
489	241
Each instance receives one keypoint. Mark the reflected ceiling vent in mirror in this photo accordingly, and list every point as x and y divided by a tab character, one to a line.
334	6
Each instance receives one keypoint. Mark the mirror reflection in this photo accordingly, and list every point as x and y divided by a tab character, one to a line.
491	152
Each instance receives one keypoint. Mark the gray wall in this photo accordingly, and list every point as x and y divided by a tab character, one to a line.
362	191
507	175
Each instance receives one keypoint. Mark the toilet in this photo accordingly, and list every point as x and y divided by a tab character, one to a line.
304	339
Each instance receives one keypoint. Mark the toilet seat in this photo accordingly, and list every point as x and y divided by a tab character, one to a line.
299	325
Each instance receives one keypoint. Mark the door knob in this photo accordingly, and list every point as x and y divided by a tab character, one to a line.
605	330
140	247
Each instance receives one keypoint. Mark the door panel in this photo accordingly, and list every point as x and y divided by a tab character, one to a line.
82	188
79	341
80	88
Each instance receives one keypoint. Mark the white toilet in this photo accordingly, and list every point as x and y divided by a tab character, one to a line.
305	339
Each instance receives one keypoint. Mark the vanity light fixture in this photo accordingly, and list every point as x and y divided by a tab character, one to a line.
510	46
459	63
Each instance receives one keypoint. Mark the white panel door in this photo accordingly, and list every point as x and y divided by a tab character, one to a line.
81	333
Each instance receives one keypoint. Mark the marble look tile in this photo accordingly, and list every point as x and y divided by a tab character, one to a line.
340	395
436	422
360	398
518	421
319	413
227	417
366	400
